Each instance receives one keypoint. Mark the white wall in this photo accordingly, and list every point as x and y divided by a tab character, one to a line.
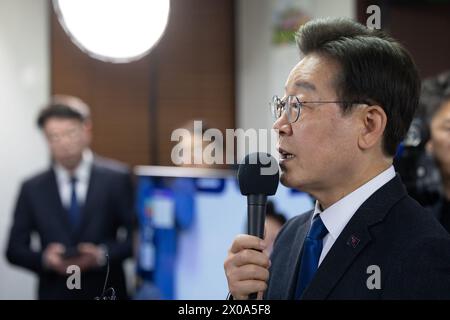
262	68
24	87
253	32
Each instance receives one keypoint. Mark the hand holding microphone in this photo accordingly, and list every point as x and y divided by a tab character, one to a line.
247	266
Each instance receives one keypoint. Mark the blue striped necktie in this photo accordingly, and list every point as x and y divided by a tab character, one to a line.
312	248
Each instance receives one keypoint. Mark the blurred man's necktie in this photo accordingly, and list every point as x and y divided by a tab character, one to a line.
74	209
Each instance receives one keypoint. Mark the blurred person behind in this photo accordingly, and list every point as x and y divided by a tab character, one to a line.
80	208
273	224
165	207
438	146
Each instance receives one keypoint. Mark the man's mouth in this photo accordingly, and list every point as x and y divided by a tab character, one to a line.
284	155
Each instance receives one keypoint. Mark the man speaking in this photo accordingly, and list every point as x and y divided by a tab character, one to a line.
347	105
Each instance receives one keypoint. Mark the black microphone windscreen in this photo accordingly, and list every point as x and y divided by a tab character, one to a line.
258	174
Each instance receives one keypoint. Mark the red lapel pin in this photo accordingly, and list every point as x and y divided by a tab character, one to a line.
353	241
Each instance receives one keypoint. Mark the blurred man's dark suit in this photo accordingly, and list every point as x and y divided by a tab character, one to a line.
390	230
108	208
441	210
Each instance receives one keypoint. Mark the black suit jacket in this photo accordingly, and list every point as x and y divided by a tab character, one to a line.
108	207
390	230
441	210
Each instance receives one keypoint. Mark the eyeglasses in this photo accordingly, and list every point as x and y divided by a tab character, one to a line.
292	106
70	134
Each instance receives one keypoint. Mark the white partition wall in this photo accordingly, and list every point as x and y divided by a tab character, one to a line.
261	67
24	86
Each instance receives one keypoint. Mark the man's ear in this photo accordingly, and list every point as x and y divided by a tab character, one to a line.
374	121
429	147
87	125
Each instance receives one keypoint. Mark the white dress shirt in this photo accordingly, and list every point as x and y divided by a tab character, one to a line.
336	217
81	173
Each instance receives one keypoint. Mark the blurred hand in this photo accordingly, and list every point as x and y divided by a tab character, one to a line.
52	258
247	267
90	256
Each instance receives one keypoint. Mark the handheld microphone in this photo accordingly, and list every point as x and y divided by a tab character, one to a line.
258	177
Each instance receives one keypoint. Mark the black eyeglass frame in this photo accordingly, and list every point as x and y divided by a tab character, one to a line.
278	106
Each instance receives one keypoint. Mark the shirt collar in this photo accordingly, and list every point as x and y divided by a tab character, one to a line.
81	172
336	217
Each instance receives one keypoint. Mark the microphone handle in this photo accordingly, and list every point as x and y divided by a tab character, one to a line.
256	211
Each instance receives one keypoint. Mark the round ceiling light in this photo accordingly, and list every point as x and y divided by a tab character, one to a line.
114	30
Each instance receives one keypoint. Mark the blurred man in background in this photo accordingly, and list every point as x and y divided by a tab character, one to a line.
438	121
165	207
80	208
273	224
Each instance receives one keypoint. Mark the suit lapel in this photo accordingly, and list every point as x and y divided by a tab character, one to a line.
293	264
353	239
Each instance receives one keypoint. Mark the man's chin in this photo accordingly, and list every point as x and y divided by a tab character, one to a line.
289	181
70	163
284	179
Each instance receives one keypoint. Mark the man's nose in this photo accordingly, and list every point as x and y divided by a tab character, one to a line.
282	125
